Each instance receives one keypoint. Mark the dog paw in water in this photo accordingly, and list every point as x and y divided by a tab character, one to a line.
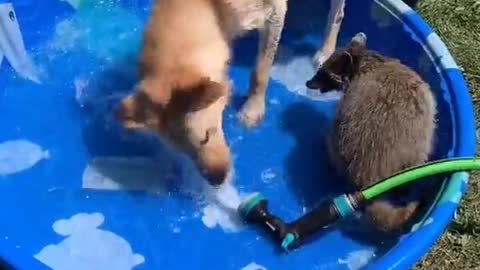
252	112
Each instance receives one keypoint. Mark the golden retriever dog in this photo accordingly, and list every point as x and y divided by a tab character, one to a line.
184	88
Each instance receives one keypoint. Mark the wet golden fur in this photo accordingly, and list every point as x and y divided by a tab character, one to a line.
183	86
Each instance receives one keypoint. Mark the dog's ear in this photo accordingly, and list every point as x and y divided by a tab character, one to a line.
132	112
201	95
142	107
156	91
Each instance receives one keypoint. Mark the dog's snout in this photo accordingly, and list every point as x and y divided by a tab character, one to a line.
215	163
216	176
216	170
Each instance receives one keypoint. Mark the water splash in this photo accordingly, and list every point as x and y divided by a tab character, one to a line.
293	72
221	209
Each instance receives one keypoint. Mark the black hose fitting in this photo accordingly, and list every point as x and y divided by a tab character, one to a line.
254	210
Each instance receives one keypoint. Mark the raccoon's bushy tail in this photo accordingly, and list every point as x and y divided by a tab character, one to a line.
388	217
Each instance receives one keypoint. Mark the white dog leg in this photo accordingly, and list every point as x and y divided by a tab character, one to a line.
335	18
253	110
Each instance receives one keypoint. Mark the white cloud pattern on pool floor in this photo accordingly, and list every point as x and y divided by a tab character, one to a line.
20	155
253	266
80	249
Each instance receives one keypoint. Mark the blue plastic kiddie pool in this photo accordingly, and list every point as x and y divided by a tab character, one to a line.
80	193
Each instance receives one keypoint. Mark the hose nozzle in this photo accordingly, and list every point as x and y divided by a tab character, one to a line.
254	210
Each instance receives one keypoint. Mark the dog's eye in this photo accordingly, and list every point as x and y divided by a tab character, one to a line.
208	133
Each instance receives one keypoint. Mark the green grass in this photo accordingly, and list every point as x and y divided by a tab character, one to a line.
457	22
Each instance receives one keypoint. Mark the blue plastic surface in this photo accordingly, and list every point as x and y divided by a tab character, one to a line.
98	44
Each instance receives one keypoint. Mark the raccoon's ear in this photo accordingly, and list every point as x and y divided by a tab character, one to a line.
345	60
356	47
359	41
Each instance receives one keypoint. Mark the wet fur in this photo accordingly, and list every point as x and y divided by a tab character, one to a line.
183	86
384	123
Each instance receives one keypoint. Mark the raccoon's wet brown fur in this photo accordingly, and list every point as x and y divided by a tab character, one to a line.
384	123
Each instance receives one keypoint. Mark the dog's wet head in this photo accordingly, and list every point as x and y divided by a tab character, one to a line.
187	116
338	69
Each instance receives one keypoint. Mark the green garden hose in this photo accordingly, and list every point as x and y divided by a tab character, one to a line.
420	172
254	208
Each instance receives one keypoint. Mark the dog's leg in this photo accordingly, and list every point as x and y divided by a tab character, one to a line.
253	110
335	18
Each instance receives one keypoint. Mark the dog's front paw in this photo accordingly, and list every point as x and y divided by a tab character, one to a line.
252	112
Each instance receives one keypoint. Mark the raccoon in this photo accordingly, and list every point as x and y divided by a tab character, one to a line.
384	123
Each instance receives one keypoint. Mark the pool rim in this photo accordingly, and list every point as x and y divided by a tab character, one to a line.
417	244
